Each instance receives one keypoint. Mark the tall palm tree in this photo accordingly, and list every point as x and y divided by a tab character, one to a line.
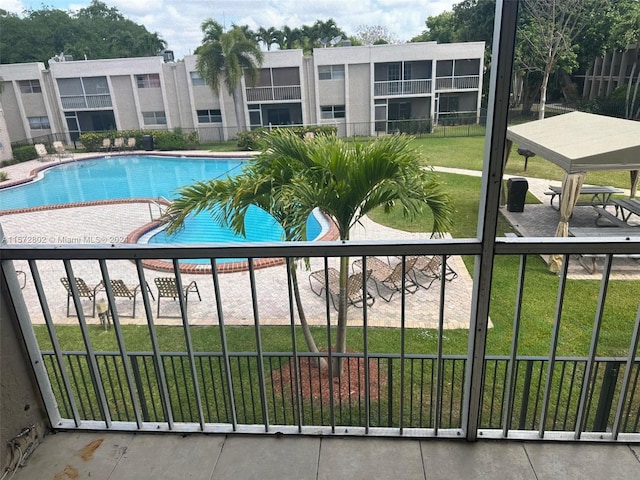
227	56
268	36
346	182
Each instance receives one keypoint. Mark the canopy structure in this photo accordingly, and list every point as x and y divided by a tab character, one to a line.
579	142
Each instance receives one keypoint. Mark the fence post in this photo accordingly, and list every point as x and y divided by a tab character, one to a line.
606	396
390	391
138	381
525	396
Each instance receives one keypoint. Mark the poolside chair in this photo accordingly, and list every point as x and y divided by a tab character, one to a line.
431	267
118	144
355	295
43	154
61	152
120	289
106	145
390	278
168	288
131	143
83	292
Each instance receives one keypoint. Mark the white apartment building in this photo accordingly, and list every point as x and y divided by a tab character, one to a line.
363	90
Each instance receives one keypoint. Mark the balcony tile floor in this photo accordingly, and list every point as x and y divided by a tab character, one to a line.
121	456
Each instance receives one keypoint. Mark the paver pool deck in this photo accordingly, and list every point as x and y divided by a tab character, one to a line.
114	222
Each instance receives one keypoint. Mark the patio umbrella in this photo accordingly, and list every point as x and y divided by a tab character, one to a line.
571	185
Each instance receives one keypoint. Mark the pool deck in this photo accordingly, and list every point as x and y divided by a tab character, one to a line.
112	223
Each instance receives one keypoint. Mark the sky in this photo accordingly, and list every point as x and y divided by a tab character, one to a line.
178	22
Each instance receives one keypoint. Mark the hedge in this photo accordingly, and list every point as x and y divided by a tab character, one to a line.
252	140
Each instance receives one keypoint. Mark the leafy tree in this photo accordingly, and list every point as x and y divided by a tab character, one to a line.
268	36
344	180
439	28
374	35
227	59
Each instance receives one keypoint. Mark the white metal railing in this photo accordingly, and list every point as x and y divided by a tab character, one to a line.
273	93
467	82
402	87
402	393
70	102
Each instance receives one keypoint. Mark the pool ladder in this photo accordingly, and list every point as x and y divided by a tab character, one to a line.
161	205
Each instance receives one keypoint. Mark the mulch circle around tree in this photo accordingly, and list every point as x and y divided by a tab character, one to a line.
314	382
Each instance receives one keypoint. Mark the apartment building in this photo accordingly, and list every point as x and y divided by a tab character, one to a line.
363	90
612	70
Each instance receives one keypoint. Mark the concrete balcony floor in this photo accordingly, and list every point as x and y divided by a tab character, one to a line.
123	456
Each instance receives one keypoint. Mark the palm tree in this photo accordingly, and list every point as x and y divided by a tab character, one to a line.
268	36
346	182
229	56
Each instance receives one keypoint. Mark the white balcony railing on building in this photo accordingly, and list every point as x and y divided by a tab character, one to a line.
457	83
402	87
253	386
273	94
71	102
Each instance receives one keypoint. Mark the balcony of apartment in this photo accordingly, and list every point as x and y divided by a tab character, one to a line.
466	82
402	88
74	102
273	93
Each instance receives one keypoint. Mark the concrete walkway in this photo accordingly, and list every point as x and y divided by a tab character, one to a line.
122	456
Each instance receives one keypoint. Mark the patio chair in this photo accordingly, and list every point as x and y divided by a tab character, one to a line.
43	154
118	144
120	289
390	278
131	143
168	288
431	267
355	295
83	292
106	145
61	152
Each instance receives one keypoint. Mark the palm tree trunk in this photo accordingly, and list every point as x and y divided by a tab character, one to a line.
236	95
341	334
308	337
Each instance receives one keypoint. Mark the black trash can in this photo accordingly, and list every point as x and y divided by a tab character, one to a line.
147	142
516	193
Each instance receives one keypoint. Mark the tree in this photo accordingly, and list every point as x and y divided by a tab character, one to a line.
374	35
268	36
227	59
547	40
344	180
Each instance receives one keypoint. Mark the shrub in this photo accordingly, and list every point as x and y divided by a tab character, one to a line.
3	176
164	140
251	140
24	153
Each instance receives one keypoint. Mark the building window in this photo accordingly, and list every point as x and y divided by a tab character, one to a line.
197	80
154	118
393	73
330	112
331	72
148	80
30	86
209	116
39	123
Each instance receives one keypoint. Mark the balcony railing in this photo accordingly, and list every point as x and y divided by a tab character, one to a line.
71	102
136	378
468	82
271	94
402	87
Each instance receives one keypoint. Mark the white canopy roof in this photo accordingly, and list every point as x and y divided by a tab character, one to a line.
579	142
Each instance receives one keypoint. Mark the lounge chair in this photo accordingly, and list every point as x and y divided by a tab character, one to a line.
61	152
43	154
390	278
131	143
118	144
354	287
106	144
120	289
431	267
168	288
83	292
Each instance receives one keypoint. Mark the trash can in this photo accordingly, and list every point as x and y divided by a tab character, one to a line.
147	142
516	193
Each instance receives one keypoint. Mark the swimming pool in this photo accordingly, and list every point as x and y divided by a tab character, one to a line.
144	176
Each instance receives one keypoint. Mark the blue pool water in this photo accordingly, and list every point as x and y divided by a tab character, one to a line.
145	177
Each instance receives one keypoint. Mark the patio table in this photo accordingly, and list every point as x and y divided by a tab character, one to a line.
627	207
588	261
600	195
